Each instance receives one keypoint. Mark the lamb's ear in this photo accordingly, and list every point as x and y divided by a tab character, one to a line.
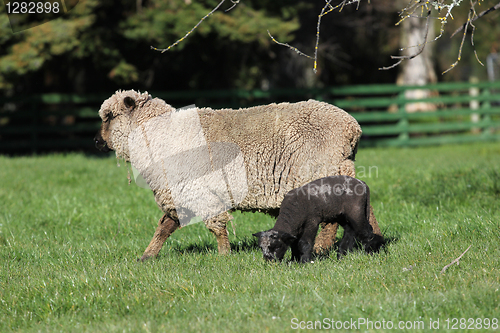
258	234
269	233
287	238
129	103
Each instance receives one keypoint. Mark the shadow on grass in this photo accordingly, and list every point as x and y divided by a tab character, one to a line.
250	244
241	245
326	254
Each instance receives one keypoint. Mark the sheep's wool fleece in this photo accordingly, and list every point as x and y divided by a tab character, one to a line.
246	159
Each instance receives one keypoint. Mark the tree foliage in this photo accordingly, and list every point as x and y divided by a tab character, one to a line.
102	43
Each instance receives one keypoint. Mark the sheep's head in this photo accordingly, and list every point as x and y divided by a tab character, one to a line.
120	114
274	244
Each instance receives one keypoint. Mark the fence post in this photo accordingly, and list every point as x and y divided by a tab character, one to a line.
474	104
488	129
404	136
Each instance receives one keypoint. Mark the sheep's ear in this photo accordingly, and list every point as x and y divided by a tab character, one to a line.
129	103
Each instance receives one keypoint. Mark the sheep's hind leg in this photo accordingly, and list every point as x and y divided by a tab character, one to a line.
166	226
217	226
326	238
374	223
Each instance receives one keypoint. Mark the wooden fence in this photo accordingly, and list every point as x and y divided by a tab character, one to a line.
448	113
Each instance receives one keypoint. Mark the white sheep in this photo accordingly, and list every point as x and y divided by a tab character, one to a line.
204	162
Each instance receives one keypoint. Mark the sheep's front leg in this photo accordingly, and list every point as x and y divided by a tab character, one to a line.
166	226
217	226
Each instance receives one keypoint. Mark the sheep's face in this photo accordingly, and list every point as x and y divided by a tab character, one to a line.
118	113
274	244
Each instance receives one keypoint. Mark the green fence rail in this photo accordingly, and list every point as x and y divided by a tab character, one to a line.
388	115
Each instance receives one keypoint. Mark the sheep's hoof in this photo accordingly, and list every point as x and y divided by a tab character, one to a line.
144	258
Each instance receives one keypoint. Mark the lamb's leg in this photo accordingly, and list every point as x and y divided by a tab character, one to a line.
306	241
358	222
166	226
296	252
347	169
217	226
326	237
347	242
305	248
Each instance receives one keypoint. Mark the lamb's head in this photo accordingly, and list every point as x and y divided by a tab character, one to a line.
120	114
274	243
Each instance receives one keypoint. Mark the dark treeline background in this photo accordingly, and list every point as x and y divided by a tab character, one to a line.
104	45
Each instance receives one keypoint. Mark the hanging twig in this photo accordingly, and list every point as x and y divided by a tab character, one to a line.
487	11
421	45
454	261
472	35
289	46
196	26
462	43
323	12
235	2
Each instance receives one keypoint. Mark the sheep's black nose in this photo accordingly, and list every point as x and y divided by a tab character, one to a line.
100	143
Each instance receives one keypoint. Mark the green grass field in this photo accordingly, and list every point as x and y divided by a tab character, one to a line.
71	229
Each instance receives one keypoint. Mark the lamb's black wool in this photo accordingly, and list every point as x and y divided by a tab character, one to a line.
341	199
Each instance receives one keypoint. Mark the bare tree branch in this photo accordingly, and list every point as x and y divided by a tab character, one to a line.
414	9
446	7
